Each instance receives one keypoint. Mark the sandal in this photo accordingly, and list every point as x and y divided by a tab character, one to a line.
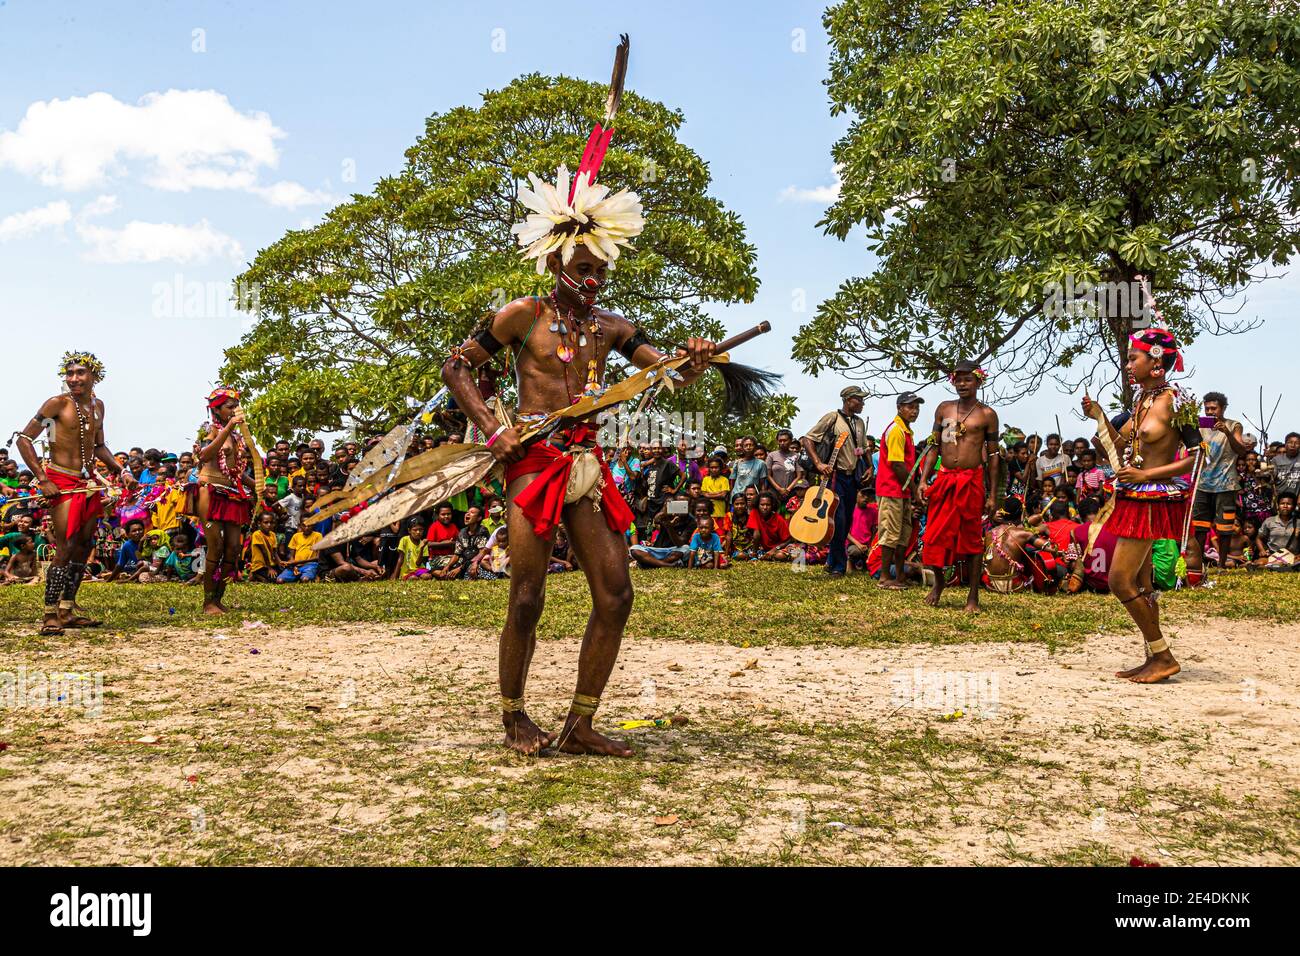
50	629
80	621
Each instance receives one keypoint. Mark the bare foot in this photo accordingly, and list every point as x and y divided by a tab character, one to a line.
523	735
1131	671
1159	667
973	605
889	584
212	608
580	738
932	598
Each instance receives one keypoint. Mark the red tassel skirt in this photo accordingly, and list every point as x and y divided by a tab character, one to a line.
1148	520
223	505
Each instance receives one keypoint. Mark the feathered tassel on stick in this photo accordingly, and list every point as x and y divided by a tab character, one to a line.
746	387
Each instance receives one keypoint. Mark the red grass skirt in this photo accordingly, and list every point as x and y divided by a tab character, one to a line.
1148	520
223	505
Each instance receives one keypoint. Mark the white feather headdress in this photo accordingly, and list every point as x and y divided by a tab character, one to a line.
592	216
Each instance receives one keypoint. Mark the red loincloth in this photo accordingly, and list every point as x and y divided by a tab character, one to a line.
81	508
954	524
542	502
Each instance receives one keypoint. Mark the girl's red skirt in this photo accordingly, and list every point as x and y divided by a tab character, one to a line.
223	505
1148	520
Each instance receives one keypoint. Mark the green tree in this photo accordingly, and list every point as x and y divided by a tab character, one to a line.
356	315
1007	153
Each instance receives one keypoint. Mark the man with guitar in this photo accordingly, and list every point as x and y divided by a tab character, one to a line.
836	445
75	421
962	493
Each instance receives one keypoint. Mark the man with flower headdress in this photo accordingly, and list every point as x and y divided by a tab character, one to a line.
75	422
222	498
560	343
965	445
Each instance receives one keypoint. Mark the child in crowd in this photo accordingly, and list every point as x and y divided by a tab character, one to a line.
22	566
304	562
716	487
130	565
706	546
413	553
264	551
182	563
862	529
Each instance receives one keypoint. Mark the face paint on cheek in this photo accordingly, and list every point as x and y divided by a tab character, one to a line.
585	289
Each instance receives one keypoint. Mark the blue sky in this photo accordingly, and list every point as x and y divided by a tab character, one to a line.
106	198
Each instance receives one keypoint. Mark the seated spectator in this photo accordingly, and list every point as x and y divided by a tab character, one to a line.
771	531
706	547
264	562
468	550
498	557
182	563
1280	536
1091	567
22	566
562	557
303	564
129	567
862	530
412	549
1060	526
440	540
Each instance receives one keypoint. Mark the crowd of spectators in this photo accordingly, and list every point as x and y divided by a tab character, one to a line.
693	509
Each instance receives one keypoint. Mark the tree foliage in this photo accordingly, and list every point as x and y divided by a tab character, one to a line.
356	314
1001	146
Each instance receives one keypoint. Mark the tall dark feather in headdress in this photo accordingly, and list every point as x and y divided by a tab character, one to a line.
616	79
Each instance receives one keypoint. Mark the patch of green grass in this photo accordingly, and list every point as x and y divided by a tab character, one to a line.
750	604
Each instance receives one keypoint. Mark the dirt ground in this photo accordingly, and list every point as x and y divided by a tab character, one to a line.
372	744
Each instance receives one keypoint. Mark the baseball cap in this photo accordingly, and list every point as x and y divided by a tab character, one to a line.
909	398
852	391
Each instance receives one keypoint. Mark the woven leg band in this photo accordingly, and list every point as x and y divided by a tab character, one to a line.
583	705
1155	647
512	705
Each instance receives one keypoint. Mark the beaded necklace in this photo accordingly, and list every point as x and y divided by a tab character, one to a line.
1141	408
83	431
573	337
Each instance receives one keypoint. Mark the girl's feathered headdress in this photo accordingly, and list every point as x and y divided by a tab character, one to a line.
578	211
85	359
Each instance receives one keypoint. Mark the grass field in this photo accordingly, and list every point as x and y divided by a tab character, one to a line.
335	724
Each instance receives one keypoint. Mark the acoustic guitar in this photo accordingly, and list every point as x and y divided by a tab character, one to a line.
814	522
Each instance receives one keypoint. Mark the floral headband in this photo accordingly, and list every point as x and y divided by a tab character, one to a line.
980	374
85	359
1156	342
220	395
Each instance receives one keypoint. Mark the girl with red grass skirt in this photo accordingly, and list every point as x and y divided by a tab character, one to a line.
1151	489
221	499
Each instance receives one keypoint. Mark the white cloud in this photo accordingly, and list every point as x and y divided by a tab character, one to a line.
290	195
175	141
818	194
99	206
158	242
49	216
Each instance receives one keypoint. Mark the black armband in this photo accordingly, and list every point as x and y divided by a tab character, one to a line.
489	341
634	342
1191	436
